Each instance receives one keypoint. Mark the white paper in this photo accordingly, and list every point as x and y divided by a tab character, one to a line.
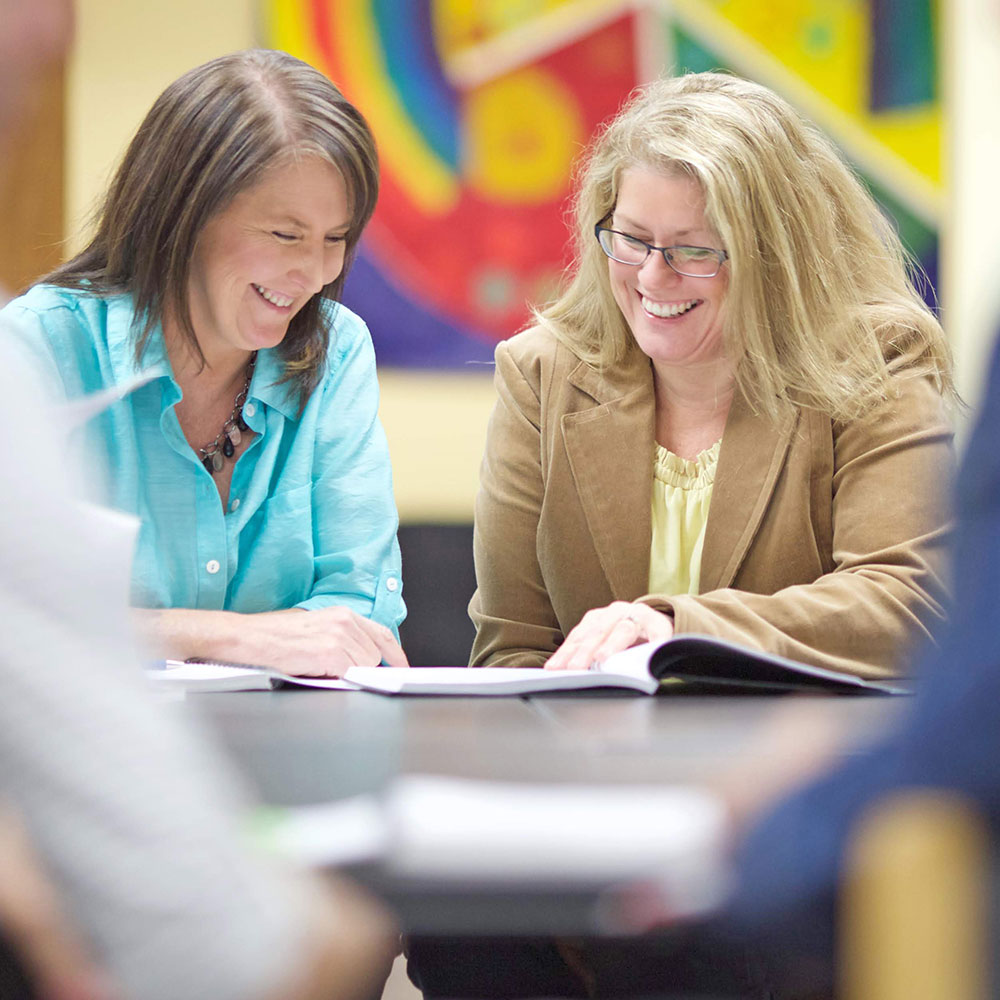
472	832
74	413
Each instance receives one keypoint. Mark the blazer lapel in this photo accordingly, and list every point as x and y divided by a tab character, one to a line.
610	450
754	450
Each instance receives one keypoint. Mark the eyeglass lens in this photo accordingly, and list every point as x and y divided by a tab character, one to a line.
699	262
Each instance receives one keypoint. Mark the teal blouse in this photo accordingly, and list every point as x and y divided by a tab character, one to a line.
311	520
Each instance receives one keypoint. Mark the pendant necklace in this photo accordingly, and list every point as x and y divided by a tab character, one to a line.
214	454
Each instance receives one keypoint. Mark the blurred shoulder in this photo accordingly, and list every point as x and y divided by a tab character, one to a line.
43	300
71	319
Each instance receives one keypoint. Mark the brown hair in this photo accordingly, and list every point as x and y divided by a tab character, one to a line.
820	309
210	135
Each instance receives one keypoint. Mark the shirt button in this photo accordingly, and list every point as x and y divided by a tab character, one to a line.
234	504
212	566
392	585
249	409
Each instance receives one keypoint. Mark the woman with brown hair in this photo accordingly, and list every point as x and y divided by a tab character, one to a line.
252	453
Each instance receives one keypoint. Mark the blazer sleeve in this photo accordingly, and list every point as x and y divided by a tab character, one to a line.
516	625
885	589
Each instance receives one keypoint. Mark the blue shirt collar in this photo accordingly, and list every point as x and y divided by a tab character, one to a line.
121	351
264	387
121	343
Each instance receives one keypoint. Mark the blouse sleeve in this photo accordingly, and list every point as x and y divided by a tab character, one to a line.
357	560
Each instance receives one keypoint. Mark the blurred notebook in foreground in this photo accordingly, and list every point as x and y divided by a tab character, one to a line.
452	831
693	658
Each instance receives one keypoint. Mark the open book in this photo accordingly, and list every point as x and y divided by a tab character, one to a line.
182	675
694	658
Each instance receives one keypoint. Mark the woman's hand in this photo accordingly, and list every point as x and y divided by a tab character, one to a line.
53	955
320	643
608	630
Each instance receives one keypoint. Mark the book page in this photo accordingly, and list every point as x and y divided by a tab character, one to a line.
466	680
234	677
631	662
207	677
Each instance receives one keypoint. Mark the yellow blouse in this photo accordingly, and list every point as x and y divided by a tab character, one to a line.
682	490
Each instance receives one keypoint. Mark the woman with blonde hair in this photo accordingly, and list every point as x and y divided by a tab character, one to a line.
252	454
732	421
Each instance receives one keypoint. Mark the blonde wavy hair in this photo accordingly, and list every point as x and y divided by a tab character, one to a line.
820	309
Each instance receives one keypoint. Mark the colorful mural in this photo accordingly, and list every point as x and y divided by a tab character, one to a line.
480	108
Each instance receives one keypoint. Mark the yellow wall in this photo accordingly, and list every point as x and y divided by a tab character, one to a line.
971	248
125	54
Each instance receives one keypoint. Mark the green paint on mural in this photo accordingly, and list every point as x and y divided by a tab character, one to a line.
919	239
691	56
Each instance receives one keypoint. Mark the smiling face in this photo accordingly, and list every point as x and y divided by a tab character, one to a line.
676	320
260	260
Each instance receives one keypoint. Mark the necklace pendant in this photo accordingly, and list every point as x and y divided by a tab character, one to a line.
240	422
227	446
209	464
233	433
218	461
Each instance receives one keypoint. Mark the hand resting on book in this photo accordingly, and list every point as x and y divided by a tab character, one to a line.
608	630
323	642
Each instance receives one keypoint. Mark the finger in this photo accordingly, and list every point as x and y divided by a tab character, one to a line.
576	651
561	658
655	626
320	663
582	643
389	649
359	648
626	632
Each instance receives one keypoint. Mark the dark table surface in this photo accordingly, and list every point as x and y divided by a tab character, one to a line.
299	747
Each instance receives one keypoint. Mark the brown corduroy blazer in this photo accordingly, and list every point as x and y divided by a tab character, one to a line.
825	542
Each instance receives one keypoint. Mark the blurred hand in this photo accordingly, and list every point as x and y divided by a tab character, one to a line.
53	956
352	943
608	630
800	740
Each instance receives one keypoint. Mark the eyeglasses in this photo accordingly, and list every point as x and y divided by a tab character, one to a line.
692	262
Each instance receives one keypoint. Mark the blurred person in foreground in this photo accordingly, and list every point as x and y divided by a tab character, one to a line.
733	421
254	456
792	861
125	868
